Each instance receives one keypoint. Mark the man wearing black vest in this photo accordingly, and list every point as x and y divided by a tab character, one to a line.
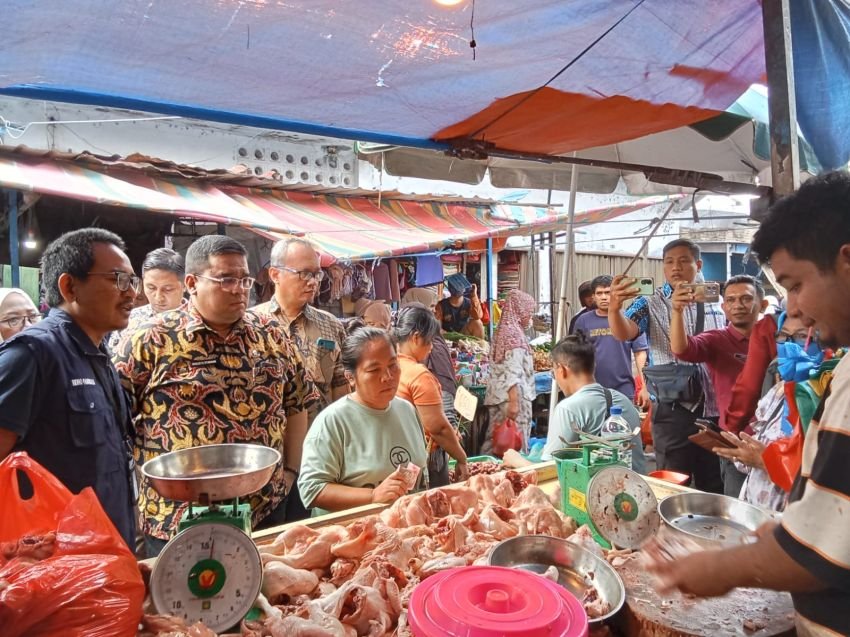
60	398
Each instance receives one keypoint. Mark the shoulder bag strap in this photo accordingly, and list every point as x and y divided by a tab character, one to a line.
609	400
700	327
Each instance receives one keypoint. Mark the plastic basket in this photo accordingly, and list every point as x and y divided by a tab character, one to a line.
478	391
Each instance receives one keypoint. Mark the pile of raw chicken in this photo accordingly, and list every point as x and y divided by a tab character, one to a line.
345	581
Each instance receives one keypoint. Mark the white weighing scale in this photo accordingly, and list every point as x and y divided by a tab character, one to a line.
211	570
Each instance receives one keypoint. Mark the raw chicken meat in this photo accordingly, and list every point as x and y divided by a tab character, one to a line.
281	581
362	537
294	540
168	626
493	520
438	502
584	538
317	554
432	567
451	534
461	498
342	569
503	494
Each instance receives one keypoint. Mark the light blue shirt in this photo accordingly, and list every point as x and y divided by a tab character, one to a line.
586	409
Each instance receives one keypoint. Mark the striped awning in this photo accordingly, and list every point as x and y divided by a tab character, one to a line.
343	227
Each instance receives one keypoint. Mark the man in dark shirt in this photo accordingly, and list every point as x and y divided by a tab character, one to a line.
60	398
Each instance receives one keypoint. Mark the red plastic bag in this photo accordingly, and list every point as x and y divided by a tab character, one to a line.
784	457
90	587
506	436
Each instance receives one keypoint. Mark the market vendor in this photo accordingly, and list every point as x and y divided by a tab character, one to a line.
356	446
414	331
460	313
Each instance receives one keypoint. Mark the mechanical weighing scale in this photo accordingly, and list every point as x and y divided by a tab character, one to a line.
211	570
622	507
578	465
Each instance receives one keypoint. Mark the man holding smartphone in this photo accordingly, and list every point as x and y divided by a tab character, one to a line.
672	418
806	239
723	351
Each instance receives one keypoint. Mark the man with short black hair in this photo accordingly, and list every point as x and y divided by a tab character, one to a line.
60	398
211	373
587	404
613	357
585	297
724	351
806	239
674	413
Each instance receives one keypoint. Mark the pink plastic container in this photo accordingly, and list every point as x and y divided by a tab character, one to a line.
493	601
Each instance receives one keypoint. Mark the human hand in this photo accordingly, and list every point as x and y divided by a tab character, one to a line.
391	489
461	472
693	574
622	289
682	296
513	410
747	450
474	290
643	400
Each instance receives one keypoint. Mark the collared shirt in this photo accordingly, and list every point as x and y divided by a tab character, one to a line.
189	386
61	396
814	529
652	316
306	331
138	315
724	352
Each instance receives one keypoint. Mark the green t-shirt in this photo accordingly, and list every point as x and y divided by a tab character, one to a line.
357	446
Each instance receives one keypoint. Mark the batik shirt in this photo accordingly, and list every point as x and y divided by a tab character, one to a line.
138	315
190	386
323	363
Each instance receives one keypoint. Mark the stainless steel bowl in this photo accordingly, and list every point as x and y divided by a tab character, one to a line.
576	567
711	519
211	473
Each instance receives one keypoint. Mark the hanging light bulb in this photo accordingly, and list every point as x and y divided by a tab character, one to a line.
449	3
30	242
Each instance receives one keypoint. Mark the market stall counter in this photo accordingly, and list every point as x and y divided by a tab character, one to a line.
356	571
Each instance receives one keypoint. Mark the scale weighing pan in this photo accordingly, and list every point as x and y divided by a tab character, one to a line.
211	473
622	507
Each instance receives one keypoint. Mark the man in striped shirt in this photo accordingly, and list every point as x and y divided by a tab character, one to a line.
806	239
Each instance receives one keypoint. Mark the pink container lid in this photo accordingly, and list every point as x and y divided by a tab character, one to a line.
493	601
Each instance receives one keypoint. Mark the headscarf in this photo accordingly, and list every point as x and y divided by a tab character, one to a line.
4	294
378	312
426	297
518	310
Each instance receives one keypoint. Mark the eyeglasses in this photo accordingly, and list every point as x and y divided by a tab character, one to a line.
231	283
304	275
16	321
799	338
123	280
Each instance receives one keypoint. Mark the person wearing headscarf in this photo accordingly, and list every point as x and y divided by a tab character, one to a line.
376	314
17	312
510	388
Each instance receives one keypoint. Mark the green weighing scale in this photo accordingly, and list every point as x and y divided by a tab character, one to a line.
211	570
597	489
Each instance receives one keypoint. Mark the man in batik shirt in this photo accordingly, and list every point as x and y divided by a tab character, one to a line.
210	373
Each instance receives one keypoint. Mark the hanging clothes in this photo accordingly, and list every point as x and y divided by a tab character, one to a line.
381	282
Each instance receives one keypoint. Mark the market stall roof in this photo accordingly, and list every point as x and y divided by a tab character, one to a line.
549	76
343	227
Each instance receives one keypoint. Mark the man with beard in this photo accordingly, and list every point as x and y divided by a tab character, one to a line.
723	351
212	373
806	239
60	399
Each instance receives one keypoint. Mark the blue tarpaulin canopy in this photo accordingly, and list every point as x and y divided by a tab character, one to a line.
545	76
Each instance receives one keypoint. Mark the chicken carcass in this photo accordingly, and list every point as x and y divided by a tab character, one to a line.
295	539
318	623
532	496
418	511
438	502
482	485
341	569
494	521
281	581
434	566
503	493
584	538
451	534
318	553
461	498
362	537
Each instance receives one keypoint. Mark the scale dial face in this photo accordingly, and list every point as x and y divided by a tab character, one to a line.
211	573
622	507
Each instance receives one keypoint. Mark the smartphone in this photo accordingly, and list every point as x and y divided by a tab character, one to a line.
708	292
645	285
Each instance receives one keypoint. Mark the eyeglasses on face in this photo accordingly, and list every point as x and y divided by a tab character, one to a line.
231	283
123	280
14	322
304	275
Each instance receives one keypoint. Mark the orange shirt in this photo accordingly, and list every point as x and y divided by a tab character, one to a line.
419	387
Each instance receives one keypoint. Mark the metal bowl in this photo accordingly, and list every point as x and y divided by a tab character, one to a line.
211	473
710	519
576	567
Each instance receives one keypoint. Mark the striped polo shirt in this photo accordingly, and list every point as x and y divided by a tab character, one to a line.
815	529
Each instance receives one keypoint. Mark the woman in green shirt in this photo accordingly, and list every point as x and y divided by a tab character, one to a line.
357	449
